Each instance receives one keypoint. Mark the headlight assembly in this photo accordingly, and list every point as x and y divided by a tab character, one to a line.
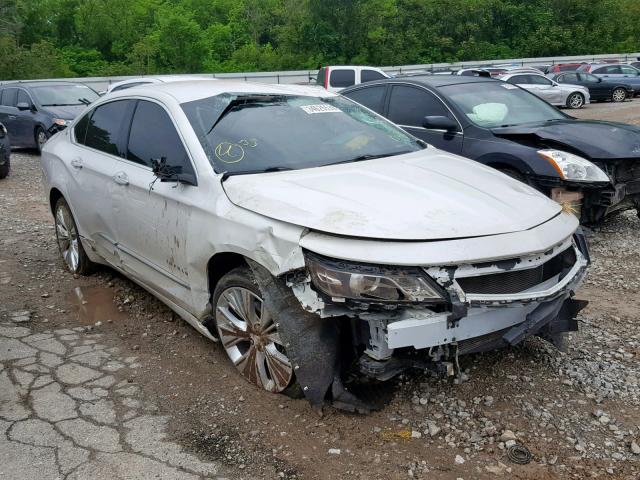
572	167
373	283
61	122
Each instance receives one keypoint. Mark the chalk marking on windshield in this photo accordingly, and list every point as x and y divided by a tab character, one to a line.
228	152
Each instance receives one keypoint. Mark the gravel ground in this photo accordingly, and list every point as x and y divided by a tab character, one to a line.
576	411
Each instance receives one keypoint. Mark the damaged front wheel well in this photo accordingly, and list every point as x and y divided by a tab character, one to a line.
221	264
54	196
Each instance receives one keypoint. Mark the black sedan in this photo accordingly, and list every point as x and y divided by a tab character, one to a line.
599	88
5	152
591	167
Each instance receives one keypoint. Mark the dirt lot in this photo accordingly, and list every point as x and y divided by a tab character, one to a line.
577	412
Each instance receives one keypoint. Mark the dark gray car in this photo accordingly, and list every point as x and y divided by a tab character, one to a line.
5	152
34	111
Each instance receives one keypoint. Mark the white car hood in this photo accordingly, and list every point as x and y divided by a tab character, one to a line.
426	195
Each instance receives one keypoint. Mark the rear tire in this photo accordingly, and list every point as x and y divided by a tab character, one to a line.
575	101
69	242
4	169
618	95
248	332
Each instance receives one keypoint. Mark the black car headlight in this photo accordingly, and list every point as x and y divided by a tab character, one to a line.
373	283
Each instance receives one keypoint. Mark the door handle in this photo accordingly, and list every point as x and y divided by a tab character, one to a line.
12	117
76	163
121	178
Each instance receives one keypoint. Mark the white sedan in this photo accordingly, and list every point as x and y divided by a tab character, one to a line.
561	95
307	234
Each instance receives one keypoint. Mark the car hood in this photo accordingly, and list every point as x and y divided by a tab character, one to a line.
591	138
426	195
66	113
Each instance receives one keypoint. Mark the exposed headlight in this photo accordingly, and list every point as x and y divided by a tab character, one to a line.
61	122
572	167
340	279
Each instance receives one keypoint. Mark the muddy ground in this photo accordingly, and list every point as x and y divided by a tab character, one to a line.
577	412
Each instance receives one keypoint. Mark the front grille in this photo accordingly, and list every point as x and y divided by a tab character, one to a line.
517	281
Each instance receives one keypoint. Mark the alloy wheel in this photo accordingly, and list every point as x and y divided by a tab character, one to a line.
576	100
67	236
41	138
619	95
250	337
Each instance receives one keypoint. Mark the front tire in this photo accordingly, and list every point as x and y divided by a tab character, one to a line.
575	101
69	243
618	95
40	138
249	334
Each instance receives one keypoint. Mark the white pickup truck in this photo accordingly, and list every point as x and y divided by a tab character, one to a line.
336	78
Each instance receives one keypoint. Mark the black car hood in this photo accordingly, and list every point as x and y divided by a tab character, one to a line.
67	112
590	138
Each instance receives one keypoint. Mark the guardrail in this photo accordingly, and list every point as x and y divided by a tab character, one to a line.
308	76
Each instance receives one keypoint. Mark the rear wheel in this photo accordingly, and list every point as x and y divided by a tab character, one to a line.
249	334
4	169
69	244
619	95
575	101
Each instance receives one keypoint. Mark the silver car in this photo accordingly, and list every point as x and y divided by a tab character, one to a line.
309	235
561	95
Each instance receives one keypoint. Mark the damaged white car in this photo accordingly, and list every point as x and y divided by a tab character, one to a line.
309	235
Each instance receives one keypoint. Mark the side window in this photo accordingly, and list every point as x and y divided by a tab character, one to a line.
371	97
370	75
628	70
23	97
569	78
80	130
610	70
539	80
409	105
10	97
320	78
105	127
519	79
153	136
342	78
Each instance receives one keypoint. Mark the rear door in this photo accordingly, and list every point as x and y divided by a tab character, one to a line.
9	116
93	162
153	216
407	107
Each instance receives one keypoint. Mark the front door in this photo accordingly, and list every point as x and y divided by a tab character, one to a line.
407	107
153	217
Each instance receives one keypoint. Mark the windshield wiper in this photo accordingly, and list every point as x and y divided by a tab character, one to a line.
370	156
63	104
84	101
226	175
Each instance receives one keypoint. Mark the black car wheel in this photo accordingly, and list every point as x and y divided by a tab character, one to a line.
575	101
4	169
619	95
41	138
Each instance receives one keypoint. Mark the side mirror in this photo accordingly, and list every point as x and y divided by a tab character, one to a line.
438	122
23	106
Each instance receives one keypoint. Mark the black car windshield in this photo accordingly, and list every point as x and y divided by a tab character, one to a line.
62	95
252	133
498	104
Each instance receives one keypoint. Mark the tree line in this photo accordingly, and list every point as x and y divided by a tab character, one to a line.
76	38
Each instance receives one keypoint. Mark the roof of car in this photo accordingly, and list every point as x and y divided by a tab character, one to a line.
434	80
189	91
39	83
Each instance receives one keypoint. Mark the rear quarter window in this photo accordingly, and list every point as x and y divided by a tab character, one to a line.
370	75
342	78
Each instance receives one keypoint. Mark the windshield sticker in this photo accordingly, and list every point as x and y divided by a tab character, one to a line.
320	108
228	152
508	87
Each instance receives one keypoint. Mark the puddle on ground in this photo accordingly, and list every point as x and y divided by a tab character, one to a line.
95	304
